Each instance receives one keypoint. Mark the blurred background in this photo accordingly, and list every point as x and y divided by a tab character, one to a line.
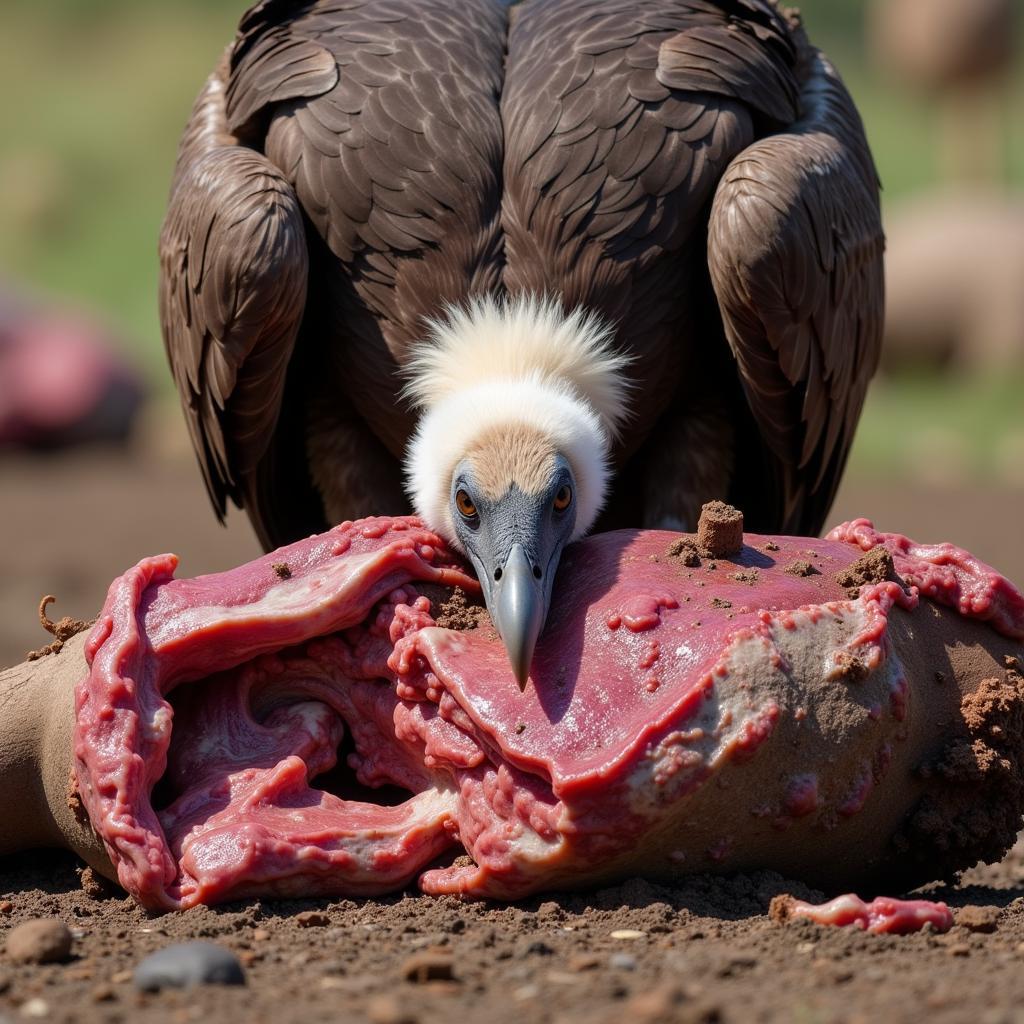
96	94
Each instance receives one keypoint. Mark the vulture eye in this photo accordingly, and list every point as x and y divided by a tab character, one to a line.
563	499
464	503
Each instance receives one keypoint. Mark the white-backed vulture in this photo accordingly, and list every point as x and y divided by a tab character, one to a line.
570	262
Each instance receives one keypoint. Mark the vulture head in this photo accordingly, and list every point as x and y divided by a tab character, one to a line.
519	404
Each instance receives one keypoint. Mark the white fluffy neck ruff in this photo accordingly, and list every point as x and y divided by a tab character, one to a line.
521	361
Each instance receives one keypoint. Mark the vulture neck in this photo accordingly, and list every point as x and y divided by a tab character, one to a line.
509	384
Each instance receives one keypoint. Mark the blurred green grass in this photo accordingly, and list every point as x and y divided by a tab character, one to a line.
96	95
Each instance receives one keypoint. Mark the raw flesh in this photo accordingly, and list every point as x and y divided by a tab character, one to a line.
214	705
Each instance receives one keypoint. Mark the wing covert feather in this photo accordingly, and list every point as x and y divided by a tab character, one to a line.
233	270
795	248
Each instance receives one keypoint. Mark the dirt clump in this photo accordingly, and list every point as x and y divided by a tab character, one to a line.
720	530
685	549
801	567
978	919
429	965
748	576
848	667
95	886
978	812
780	910
62	630
282	570
720	602
874	566
457	612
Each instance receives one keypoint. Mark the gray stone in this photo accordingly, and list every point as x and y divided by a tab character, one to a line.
187	964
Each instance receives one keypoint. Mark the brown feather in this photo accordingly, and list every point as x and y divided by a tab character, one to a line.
437	150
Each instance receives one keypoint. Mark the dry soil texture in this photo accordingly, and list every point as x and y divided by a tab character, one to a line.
703	951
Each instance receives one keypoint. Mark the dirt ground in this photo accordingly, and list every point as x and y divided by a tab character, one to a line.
702	951
699	952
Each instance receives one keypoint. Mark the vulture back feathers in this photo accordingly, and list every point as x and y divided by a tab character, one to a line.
692	173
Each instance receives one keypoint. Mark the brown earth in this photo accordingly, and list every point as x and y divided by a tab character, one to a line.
704	950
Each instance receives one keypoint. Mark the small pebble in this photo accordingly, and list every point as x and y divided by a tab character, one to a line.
35	1008
95	886
657	1005
537	948
46	940
388	1010
428	966
622	962
312	919
260	935
186	964
103	994
6	906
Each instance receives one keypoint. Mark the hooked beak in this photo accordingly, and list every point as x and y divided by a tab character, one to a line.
518	608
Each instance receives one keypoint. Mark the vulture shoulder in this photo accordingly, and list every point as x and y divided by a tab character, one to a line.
233	278
795	248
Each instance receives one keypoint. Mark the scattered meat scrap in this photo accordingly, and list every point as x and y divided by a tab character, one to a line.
882	916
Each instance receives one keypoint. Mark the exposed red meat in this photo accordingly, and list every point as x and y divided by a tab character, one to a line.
880	917
213	704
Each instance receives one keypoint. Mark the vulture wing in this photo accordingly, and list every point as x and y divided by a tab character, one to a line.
795	252
233	269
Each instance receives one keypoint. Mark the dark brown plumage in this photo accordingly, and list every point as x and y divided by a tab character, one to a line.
692	170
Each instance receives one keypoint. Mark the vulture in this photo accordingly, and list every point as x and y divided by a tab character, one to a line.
525	269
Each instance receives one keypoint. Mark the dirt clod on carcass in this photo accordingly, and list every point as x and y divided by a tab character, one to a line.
685	549
458	613
875	566
720	530
62	630
801	568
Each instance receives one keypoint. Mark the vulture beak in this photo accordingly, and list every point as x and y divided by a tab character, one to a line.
515	543
518	607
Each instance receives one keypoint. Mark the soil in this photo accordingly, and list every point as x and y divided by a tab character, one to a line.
801	568
720	530
700	951
705	950
457	612
686	551
875	566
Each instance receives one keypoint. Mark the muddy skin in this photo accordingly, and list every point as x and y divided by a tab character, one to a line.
38	804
